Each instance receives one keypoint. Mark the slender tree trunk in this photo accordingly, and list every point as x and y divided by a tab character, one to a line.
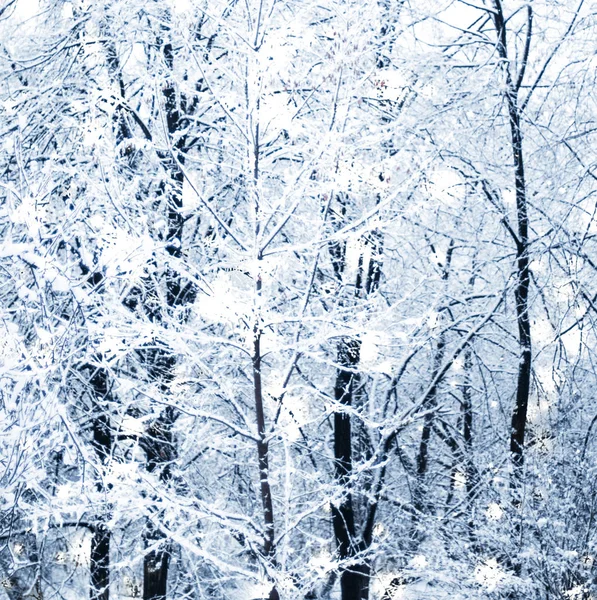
519	415
102	440
354	578
352	534
100	562
422	460
467	434
102	443
263	452
521	292
160	449
269	544
102	432
467	426
159	443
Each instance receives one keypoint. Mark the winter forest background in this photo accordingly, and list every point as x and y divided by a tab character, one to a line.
298	299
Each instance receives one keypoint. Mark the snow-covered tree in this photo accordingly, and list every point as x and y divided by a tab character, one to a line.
270	276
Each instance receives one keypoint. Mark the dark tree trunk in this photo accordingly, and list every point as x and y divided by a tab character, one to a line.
422	462
263	450
99	564
99	381
467	434
429	403
269	544
352	532
158	443
354	582
155	570
519	415
99	384
354	578
159	447
346	380
521	292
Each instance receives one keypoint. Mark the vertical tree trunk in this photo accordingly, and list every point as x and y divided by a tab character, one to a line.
100	563
159	442
155	570
159	447
354	578
521	292
352	534
102	443
269	544
519	415
263	449
422	461
472	479
467	434
102	433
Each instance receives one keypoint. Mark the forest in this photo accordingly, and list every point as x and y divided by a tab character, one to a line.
298	299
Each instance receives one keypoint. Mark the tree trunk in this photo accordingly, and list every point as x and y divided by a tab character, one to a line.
422	461
99	381
467	434
521	292
269	544
155	570
159	447
354	578
159	442
263	451
99	563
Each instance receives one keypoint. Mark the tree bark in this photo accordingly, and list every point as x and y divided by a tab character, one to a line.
521	292
422	460
159	443
100	563
467	434
102	443
354	578
155	570
263	449
269	544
